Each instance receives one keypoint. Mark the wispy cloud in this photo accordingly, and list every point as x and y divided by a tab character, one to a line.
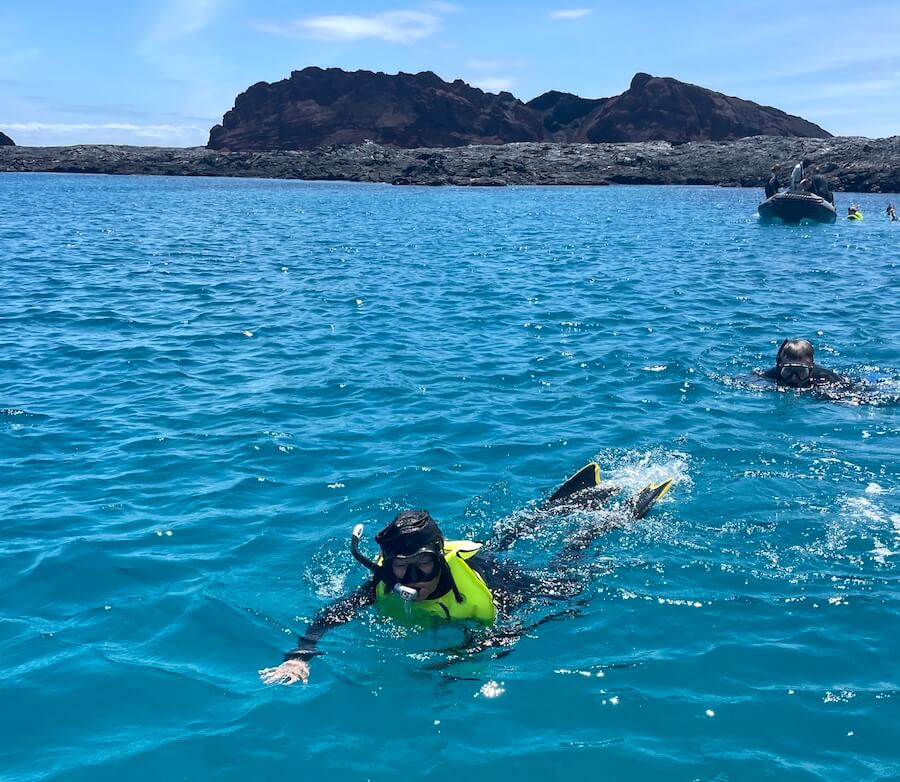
66	127
494	83
571	13
390	26
871	86
195	67
105	133
178	19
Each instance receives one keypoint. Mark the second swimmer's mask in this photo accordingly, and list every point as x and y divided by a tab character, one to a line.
794	369
794	373
412	547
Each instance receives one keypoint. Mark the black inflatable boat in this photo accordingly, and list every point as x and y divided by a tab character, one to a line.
794	207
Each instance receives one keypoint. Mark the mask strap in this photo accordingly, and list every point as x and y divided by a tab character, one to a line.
780	351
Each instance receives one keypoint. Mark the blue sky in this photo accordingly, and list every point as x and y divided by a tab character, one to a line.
164	71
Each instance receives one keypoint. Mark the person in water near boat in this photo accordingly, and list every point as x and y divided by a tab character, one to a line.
891	213
773	185
423	579
795	366
853	213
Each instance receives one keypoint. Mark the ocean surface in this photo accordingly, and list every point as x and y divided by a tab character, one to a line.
206	383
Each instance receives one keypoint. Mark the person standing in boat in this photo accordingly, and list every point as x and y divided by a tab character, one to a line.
797	176
773	185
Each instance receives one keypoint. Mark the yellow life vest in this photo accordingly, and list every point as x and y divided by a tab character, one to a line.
477	601
855	216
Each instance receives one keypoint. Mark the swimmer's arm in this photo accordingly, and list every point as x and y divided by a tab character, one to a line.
338	613
296	662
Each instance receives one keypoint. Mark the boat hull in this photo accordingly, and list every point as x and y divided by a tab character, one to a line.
797	207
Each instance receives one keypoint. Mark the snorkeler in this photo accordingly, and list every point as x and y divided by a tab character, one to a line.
795	367
422	579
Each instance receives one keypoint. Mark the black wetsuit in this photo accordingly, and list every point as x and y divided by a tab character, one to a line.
772	186
515	591
511	586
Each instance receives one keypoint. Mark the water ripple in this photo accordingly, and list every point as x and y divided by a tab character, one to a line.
204	384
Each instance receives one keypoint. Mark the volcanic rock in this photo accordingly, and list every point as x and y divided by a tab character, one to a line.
848	163
6	141
317	107
654	108
564	112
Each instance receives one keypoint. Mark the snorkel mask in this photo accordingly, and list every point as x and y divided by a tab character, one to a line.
412	549
792	371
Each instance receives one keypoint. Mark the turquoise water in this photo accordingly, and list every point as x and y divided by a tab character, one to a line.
205	383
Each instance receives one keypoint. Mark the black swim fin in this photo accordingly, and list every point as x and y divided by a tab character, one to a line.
588	477
583	491
647	497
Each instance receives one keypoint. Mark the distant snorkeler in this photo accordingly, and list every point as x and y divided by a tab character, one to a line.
795	367
423	580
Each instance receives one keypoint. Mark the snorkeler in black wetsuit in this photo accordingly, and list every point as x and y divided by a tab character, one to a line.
423	579
795	367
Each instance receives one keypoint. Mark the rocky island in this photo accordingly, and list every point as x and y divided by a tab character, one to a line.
418	129
317	107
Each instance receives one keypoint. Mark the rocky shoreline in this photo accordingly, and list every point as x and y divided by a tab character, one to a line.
851	164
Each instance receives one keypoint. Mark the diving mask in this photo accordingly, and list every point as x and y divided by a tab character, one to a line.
797	373
417	568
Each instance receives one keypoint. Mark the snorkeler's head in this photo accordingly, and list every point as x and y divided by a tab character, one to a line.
411	532
412	548
795	362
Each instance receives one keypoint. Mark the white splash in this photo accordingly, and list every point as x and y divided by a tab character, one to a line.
491	689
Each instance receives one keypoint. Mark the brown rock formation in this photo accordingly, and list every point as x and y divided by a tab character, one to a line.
564	113
317	107
654	108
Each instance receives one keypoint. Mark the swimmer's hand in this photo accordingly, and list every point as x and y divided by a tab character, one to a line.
289	672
